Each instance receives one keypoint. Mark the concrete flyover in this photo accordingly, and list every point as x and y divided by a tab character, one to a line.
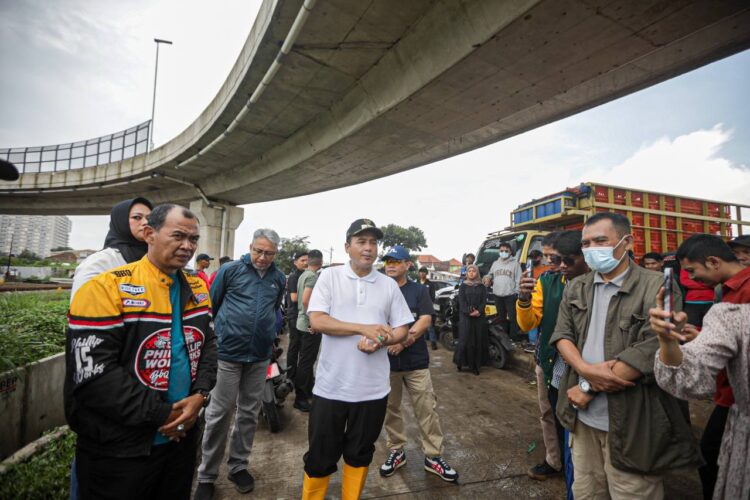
335	92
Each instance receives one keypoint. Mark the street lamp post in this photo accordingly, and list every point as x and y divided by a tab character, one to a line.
153	101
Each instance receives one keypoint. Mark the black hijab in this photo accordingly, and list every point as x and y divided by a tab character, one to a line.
119	235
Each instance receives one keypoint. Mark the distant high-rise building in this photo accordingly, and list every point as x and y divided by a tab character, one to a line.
35	233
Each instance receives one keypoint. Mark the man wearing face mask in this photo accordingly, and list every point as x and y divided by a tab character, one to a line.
506	273
625	431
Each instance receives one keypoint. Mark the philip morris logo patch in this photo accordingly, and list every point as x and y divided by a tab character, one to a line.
132	289
136	303
154	356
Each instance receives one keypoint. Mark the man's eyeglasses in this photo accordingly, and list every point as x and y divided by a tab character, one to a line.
389	262
264	253
569	260
553	259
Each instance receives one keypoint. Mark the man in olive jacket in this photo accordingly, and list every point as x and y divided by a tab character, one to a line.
625	431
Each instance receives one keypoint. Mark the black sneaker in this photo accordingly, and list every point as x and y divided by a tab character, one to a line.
302	405
542	471
204	491
396	459
243	481
440	468
434	345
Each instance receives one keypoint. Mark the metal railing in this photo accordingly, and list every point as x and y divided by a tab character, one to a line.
91	153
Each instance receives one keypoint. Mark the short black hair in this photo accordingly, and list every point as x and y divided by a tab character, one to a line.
619	221
423	269
224	260
535	254
505	244
550	239
314	257
653	256
700	247
568	243
158	215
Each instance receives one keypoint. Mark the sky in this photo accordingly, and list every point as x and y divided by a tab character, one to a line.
82	69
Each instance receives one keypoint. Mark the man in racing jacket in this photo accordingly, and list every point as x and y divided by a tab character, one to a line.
140	362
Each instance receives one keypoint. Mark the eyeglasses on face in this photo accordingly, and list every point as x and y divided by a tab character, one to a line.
264	253
569	260
553	259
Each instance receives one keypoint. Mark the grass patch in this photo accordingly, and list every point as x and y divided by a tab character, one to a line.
32	326
45	475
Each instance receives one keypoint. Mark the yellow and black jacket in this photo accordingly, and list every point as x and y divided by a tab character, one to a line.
118	355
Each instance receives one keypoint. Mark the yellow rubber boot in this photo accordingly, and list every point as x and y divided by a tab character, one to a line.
315	488
353	482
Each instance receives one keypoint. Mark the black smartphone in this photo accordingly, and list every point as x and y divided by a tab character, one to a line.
668	296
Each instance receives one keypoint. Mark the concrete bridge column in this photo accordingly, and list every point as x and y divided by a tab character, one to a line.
217	223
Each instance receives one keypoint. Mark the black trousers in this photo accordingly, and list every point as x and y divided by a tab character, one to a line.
292	353
710	446
552	395
339	428
308	353
506	308
166	473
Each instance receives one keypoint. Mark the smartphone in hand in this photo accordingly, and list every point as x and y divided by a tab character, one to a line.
668	295
529	267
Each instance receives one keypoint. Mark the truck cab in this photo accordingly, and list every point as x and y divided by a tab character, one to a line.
521	243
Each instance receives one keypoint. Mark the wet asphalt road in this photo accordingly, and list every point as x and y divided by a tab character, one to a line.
492	437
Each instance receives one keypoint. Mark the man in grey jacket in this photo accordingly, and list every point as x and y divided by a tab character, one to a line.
245	297
506	273
626	432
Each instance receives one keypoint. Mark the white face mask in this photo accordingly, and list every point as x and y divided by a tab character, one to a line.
504	255
602	259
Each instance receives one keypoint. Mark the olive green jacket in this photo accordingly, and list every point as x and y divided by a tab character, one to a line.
648	433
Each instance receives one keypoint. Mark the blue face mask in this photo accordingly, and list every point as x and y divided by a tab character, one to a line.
504	255
602	259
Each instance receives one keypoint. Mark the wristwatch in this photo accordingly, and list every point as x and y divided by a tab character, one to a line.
206	396
586	388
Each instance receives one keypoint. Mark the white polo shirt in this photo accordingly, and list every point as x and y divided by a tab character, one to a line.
344	372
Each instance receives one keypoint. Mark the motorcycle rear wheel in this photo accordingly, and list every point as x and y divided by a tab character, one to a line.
498	354
447	339
272	416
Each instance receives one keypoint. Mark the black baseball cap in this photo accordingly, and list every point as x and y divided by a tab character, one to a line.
741	241
299	254
203	256
362	225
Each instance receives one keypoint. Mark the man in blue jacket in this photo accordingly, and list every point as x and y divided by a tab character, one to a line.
245	297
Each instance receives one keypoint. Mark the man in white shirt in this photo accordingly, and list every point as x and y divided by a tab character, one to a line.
358	310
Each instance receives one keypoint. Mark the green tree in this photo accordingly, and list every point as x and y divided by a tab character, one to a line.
287	249
412	238
28	255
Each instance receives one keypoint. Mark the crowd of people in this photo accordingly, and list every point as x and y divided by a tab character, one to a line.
151	344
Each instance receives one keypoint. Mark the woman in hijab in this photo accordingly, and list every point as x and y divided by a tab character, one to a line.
473	343
124	242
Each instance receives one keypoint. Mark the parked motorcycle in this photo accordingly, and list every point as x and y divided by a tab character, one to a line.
275	391
500	345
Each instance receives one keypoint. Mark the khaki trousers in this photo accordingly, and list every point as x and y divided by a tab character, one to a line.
595	476
547	419
418	384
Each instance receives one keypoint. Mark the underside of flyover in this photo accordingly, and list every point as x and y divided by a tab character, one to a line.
372	88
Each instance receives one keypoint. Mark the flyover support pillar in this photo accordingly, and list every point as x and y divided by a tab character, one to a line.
217	225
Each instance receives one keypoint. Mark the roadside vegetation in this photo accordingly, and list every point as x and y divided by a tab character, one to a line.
45	475
32	327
